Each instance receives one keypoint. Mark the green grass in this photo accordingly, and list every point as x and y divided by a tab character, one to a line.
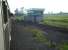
58	21
39	37
64	46
19	18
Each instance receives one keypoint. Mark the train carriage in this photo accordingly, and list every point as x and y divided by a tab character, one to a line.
5	25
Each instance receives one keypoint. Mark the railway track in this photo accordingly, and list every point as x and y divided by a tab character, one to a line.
53	34
56	33
45	27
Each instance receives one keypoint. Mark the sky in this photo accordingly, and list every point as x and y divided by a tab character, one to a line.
50	6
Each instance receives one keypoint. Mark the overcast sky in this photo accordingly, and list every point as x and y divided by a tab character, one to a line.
54	6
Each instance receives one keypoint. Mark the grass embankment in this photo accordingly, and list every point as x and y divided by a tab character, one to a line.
58	21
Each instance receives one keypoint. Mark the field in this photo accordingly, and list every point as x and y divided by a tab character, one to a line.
57	21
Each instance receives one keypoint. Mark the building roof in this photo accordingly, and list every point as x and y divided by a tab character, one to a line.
35	9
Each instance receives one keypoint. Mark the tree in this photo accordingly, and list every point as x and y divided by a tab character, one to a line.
16	12
19	12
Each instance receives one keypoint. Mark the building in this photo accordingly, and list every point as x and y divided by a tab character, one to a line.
34	15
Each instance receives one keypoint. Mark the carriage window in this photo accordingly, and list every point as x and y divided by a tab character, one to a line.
4	12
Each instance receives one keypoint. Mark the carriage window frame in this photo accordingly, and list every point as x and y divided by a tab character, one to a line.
4	7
